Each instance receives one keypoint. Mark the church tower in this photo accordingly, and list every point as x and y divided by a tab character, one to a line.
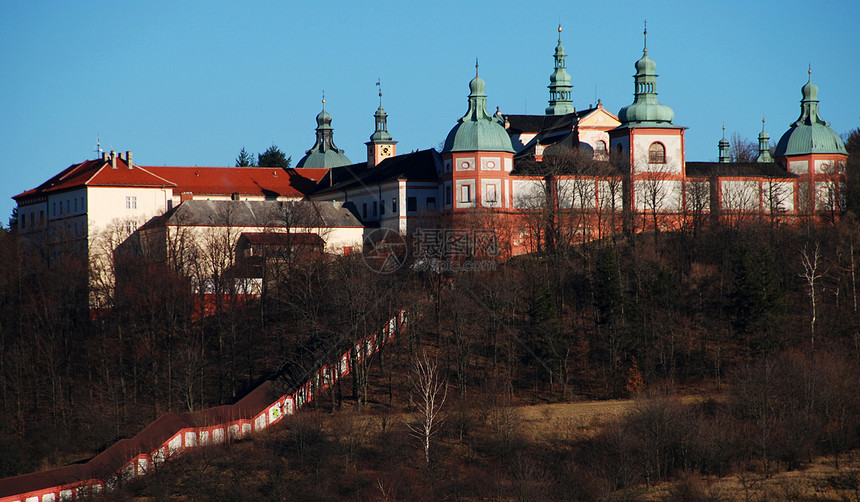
559	84
478	157
381	144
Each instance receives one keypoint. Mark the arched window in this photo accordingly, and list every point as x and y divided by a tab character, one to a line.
600	147
657	153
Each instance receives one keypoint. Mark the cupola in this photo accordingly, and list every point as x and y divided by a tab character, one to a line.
477	130
809	133
646	110
324	153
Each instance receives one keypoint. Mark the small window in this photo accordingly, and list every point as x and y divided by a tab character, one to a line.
600	147
76	205
374	209
411	204
431	203
394	205
364	210
41	217
465	193
23	220
131	202
382	208
448	195
657	154
490	194
68	206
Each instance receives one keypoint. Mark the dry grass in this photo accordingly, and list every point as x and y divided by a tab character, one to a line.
820	480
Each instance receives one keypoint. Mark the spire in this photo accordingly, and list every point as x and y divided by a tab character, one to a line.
724	148
324	131
381	119
559	84
646	110
477	99
645	38
809	105
763	145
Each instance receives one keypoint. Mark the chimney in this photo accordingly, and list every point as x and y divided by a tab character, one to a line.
104	156
128	159
113	159
186	196
234	196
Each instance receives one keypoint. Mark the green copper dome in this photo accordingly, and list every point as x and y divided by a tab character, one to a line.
478	130
324	153
809	133
646	110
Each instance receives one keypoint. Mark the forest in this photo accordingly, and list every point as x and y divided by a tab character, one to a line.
738	342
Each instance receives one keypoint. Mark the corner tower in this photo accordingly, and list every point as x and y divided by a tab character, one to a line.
324	153
810	145
649	146
815	153
477	157
559	84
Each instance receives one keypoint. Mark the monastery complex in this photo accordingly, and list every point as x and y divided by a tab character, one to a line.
592	171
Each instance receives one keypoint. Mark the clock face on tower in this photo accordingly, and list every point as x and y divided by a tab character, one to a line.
385	150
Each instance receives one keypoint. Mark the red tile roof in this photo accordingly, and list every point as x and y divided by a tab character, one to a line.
253	181
266	181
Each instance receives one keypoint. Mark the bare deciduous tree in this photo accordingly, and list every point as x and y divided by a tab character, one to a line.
431	390
811	273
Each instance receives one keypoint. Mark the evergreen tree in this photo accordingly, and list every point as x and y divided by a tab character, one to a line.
852	172
245	159
755	300
273	157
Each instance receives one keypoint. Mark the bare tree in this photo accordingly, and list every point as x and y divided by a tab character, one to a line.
742	149
431	390
811	273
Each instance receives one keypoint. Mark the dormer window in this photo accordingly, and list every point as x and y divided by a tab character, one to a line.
657	153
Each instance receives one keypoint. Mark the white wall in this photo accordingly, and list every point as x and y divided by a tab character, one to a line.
528	194
740	195
674	159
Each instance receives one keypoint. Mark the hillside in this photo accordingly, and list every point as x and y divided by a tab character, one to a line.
712	331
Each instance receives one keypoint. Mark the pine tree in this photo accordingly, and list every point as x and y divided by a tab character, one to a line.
245	159
273	157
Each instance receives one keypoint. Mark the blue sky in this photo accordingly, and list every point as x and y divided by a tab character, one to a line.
192	82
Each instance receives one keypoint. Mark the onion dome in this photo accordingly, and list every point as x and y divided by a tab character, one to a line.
809	133
559	84
478	130
324	153
646	110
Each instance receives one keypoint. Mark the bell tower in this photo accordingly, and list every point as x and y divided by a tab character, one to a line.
381	144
